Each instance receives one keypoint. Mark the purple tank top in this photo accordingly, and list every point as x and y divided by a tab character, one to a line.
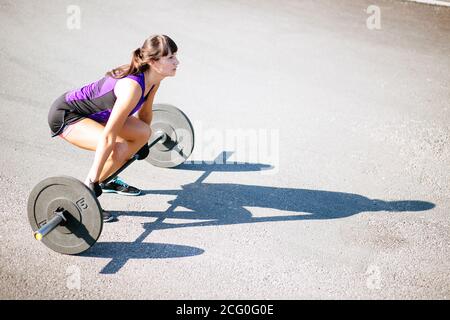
96	100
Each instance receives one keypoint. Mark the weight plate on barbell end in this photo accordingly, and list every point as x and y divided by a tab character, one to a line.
81	209
176	125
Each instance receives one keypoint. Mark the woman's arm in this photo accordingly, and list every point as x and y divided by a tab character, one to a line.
128	93
145	113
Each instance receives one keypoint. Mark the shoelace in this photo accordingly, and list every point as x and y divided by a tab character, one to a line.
121	182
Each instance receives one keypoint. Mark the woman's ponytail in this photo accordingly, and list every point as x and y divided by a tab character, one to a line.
153	49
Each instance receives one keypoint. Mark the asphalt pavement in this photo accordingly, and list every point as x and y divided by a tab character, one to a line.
321	162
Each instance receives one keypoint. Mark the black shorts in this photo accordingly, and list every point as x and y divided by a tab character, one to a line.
61	115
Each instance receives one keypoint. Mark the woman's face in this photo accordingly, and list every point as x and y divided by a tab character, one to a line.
166	66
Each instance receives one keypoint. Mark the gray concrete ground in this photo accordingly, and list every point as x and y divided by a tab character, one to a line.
354	121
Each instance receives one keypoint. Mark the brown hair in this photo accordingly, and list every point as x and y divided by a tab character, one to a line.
154	48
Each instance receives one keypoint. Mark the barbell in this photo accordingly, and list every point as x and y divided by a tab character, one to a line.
65	214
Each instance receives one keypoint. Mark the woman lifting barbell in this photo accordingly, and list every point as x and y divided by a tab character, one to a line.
112	116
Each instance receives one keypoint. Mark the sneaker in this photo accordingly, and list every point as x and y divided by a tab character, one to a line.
107	216
120	187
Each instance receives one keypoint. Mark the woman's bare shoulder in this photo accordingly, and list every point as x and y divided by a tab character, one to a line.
127	87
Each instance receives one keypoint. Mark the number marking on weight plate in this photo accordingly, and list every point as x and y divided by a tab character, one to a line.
81	204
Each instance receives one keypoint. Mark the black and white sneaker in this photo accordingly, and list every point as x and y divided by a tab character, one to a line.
107	216
118	186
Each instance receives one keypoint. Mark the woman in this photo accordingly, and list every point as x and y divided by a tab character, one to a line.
112	116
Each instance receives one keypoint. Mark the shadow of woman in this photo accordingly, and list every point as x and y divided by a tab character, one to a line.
224	204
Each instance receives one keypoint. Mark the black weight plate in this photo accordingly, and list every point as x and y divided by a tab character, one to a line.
83	212
177	126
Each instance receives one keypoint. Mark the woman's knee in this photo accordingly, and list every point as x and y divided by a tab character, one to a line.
120	151
136	130
146	133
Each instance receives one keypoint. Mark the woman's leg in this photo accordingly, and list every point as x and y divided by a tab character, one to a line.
134	134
